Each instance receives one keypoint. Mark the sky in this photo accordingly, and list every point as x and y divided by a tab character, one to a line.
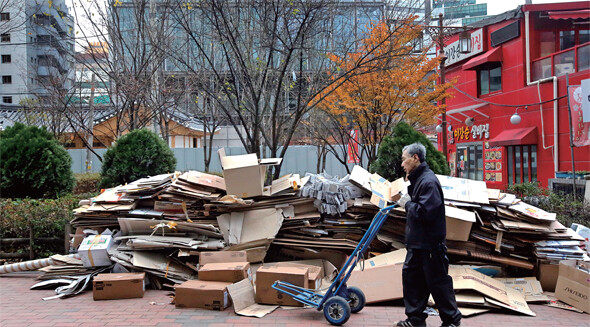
499	6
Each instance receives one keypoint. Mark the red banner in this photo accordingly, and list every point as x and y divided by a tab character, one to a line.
580	130
353	147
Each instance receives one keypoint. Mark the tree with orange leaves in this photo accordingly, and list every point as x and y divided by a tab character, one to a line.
389	88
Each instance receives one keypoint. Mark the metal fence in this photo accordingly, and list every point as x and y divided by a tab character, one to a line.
298	159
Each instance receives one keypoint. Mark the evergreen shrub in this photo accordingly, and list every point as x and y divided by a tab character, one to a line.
33	164
139	154
388	163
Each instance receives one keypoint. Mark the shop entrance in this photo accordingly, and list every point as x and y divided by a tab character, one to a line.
469	161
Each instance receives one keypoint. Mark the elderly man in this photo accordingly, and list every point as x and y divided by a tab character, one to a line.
425	269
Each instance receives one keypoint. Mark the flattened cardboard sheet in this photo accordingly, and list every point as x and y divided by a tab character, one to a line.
242	295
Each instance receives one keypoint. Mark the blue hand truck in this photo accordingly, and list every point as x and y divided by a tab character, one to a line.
339	301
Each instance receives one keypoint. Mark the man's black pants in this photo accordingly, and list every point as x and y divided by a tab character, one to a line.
426	272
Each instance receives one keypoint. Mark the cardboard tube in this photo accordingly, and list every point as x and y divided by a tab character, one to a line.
490	257
30	265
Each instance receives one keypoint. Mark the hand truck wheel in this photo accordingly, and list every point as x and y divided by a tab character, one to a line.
337	310
356	299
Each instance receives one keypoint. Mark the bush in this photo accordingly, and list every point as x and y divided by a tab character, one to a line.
388	163
33	164
136	155
87	183
48	217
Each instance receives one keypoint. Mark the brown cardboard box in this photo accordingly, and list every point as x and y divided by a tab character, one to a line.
315	273
459	223
547	275
380	278
222	256
230	272
380	283
244	174
266	276
385	191
202	294
573	284
118	286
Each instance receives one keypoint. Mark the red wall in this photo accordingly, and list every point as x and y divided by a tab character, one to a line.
514	91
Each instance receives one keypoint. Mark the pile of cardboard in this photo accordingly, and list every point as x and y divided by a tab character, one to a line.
167	226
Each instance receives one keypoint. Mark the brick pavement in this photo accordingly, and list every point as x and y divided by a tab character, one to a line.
20	306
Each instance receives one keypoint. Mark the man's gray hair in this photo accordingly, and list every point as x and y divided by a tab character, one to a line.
416	148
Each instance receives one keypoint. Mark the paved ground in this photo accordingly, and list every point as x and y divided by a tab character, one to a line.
20	306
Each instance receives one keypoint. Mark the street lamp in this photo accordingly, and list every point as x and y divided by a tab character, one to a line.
465	42
515	118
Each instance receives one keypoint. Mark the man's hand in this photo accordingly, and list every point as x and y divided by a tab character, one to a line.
403	200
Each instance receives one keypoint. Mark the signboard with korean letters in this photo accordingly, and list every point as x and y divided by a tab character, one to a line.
453	53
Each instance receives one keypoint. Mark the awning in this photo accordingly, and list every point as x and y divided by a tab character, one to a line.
517	136
462	111
570	14
494	55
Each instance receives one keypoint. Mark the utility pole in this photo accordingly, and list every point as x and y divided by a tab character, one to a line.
154	70
90	125
441	52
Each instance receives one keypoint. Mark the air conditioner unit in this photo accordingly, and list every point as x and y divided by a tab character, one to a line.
562	69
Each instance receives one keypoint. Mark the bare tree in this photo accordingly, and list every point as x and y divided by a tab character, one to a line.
265	63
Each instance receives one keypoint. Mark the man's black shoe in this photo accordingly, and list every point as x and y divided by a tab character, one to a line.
451	325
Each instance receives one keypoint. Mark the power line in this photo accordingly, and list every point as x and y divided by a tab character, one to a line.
507	105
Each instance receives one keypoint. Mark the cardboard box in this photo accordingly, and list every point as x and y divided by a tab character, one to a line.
547	274
230	272
202	294
118	286
459	223
381	283
222	256
93	250
266	276
315	273
573	284
384	191
285	184
381	279
203	179
390	258
361	178
244	174
462	189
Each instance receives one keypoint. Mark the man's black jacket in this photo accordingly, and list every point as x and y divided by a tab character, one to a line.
425	222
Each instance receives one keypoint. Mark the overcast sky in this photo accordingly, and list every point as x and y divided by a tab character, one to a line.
499	6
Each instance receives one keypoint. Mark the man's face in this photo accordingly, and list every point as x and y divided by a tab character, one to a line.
409	163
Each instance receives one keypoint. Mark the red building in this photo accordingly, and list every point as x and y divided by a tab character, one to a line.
520	58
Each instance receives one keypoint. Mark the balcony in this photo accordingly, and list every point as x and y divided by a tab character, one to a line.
571	60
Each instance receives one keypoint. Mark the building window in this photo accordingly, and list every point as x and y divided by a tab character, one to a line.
7	79
489	78
7	99
5	37
567	39
522	164
584	36
6	59
4	16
